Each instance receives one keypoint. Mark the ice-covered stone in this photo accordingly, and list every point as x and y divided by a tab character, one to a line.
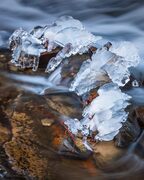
55	61
106	113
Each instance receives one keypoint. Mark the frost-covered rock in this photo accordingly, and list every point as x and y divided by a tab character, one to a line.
106	64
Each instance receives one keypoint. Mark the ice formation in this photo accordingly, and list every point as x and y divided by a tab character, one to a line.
106	64
107	70
104	115
66	32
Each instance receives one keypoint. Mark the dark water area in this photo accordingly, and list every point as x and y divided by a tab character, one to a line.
115	20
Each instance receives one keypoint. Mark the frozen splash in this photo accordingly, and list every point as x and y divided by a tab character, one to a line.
66	33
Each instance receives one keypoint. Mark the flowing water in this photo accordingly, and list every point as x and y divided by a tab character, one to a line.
115	20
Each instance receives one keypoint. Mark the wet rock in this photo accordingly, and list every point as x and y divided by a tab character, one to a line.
138	148
5	128
129	132
5	56
24	149
21	150
37	133
140	115
4	134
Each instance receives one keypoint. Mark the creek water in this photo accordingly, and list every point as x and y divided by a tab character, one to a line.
115	20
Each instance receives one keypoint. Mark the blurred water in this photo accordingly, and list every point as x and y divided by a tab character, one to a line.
115	20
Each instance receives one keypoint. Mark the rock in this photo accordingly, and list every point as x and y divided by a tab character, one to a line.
28	136
37	134
129	132
5	56
22	151
140	115
5	128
